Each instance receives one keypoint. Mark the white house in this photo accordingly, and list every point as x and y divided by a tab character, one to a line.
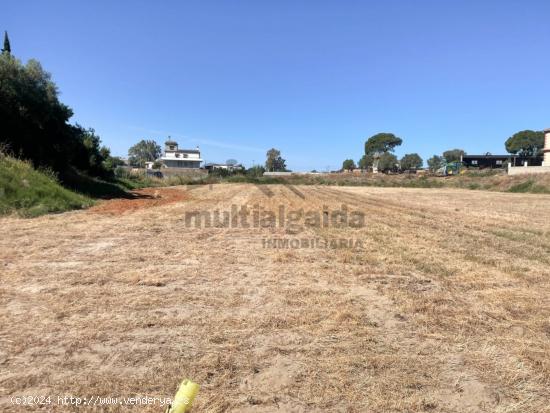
180	158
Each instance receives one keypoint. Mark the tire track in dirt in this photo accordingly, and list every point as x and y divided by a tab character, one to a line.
441	225
469	304
460	389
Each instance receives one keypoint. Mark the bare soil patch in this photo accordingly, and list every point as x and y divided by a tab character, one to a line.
140	198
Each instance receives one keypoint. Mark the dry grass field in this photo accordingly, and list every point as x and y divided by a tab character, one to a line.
443	307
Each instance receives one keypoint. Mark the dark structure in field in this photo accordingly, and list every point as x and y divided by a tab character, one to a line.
499	161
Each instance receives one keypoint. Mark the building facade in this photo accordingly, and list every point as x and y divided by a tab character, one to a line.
546	150
499	161
174	157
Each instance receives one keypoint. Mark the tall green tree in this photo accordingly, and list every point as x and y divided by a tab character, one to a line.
379	144
411	161
7	46
34	124
525	143
453	155
382	143
274	161
348	165
144	151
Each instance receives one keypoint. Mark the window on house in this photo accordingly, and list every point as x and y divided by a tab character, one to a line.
499	162
474	162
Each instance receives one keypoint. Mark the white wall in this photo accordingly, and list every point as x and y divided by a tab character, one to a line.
522	170
182	155
546	161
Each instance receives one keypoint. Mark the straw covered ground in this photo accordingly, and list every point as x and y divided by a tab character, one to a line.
440	302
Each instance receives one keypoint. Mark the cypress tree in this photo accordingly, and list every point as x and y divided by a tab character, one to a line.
7	47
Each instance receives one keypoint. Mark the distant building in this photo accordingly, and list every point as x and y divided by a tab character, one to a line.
224	166
499	161
485	161
180	158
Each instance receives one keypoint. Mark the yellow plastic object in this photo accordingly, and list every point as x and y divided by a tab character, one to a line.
183	400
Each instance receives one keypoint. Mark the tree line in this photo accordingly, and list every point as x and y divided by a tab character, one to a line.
34	123
379	150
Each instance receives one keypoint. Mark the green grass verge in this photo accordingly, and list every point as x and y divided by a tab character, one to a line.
29	193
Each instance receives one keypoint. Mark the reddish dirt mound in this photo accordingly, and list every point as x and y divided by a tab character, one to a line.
141	198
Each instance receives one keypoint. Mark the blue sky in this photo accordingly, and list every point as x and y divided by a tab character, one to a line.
311	78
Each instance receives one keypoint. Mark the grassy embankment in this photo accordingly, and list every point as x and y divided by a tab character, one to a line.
29	192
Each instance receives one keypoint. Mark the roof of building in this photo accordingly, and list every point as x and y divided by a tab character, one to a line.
490	156
180	150
486	156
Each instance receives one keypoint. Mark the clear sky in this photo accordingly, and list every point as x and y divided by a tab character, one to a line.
311	78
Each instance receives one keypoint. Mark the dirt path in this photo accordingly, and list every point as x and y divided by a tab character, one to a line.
140	199
442	307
